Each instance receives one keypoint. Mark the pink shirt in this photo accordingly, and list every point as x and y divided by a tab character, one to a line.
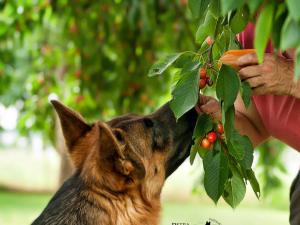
280	114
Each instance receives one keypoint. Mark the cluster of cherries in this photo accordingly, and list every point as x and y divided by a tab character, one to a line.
212	136
204	79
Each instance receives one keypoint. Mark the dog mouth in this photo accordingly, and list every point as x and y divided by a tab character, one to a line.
182	141
177	157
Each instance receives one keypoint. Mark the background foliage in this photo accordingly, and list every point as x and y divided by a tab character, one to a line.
93	54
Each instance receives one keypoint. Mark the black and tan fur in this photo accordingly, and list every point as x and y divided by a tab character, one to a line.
121	167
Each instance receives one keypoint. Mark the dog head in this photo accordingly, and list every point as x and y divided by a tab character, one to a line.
130	152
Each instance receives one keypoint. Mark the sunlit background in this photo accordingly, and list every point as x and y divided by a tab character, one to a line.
94	56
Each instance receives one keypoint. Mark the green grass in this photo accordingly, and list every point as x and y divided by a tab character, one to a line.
17	208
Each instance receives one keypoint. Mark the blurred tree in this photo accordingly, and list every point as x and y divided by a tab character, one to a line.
94	55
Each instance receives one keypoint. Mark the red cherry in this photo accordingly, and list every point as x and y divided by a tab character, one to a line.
205	143
212	137
220	128
202	73
202	83
209	40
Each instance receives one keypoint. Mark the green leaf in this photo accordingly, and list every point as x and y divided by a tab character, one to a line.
294	6
216	173
234	190
193	153
239	20
217	48
190	66
215	8
227	86
233	44
229	5
221	44
183	60
176	77
204	124
207	28
160	66
253	5
254	183
204	48
198	7
297	64
185	93
202	151
246	93
229	122
241	148
248	149
280	10
217	146
280	16
236	150
263	29
237	146
290	34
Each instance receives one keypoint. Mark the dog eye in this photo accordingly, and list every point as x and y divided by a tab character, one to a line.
148	122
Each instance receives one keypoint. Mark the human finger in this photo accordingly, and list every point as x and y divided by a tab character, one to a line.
250	71
246	60
217	115
204	99
255	81
210	107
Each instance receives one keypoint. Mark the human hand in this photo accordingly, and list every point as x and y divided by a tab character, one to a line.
209	105
273	76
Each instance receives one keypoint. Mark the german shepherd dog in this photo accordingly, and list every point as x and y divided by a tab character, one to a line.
120	166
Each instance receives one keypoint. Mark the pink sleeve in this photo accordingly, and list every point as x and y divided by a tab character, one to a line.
281	117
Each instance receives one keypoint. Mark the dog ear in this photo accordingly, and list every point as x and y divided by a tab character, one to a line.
73	125
113	145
